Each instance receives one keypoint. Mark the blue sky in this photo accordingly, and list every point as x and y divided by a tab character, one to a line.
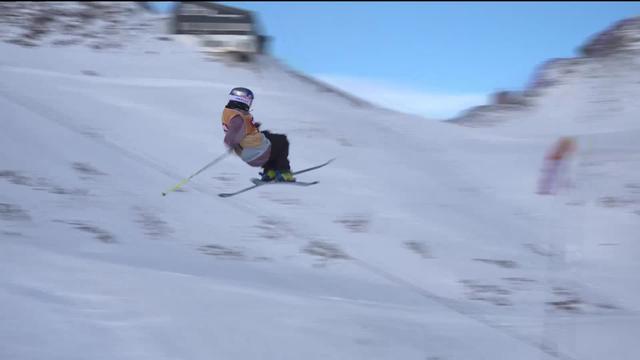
430	58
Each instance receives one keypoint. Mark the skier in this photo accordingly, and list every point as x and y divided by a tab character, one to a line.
257	148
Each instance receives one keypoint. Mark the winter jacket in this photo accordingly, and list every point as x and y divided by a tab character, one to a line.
244	137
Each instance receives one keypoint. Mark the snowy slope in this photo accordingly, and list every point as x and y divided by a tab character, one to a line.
423	240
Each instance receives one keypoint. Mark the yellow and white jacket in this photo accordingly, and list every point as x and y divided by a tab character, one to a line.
243	136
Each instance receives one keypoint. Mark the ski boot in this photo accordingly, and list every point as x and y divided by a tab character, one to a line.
285	176
268	175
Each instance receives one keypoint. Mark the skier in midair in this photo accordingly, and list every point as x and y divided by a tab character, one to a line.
257	148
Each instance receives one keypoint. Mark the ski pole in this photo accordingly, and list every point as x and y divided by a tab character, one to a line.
184	181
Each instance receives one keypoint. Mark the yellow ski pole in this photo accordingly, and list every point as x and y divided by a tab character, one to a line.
184	181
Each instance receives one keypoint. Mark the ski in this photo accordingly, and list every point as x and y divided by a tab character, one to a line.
312	168
258	182
298	183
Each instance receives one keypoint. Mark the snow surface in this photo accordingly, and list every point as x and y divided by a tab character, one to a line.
423	240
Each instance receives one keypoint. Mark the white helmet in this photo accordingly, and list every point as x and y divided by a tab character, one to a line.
241	95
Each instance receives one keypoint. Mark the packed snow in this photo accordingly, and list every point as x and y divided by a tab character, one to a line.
422	240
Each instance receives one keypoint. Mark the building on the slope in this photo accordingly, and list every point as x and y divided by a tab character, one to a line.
218	29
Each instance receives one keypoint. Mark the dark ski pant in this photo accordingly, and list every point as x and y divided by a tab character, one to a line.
279	159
